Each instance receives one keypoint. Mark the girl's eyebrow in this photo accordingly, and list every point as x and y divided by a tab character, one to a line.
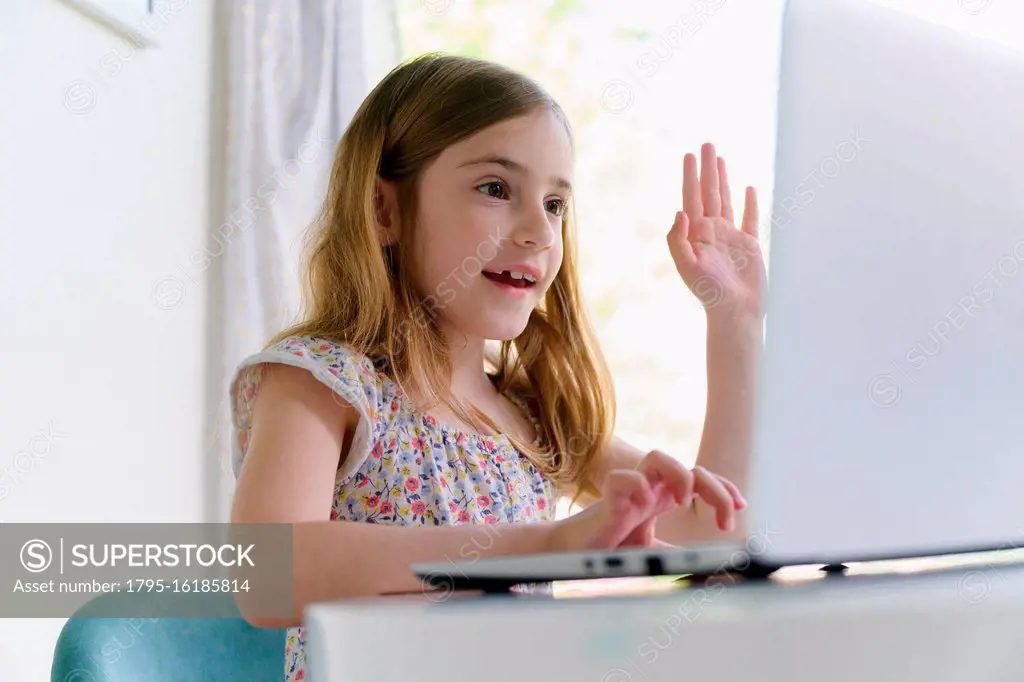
513	166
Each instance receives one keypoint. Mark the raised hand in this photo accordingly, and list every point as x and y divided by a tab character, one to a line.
720	263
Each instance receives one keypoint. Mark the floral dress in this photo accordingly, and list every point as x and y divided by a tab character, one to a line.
404	467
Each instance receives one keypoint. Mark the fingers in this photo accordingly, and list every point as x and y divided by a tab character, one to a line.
663	469
665	473
710	195
629	488
634	499
630	501
723	191
679	245
692	204
738	501
711	489
750	213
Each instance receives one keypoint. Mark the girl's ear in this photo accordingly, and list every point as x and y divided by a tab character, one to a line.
385	211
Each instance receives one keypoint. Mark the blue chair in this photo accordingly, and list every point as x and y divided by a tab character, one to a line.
95	647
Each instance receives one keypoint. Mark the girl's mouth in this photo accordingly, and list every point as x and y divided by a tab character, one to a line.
511	278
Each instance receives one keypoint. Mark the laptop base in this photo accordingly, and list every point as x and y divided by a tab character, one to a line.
446	582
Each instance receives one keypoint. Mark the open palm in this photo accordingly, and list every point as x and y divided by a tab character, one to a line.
722	265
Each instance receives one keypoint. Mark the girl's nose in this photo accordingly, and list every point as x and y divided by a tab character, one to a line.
534	230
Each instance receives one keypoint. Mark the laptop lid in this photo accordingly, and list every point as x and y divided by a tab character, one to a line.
891	399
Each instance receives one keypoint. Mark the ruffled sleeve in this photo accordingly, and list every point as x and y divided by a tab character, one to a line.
350	374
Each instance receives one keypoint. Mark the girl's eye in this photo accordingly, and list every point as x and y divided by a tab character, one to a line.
496	189
556	206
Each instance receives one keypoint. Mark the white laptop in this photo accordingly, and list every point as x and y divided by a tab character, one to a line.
891	401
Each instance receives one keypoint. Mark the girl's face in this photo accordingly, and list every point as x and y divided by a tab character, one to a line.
488	236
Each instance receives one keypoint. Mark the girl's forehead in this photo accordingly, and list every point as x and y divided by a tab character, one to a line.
541	125
536	142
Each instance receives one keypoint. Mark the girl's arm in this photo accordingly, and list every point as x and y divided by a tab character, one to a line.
732	359
724	268
299	431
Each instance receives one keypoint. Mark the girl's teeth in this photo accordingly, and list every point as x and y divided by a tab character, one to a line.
519	275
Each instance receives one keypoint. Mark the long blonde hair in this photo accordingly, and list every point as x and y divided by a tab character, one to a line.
361	293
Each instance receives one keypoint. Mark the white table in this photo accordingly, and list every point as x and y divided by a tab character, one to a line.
965	625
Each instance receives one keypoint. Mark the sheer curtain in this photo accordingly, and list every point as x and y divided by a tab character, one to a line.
296	72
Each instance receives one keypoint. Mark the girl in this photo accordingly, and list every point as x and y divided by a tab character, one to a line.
386	428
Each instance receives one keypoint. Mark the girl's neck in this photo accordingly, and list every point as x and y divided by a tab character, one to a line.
470	385
469	380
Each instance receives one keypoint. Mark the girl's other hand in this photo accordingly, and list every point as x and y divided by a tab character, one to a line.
633	499
722	265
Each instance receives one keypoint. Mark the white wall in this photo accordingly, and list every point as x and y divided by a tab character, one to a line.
105	187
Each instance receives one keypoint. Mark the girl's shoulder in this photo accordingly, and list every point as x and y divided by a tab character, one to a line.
352	375
320	356
345	370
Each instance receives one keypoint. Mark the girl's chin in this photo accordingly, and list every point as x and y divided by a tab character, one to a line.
490	322
505	333
502	330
